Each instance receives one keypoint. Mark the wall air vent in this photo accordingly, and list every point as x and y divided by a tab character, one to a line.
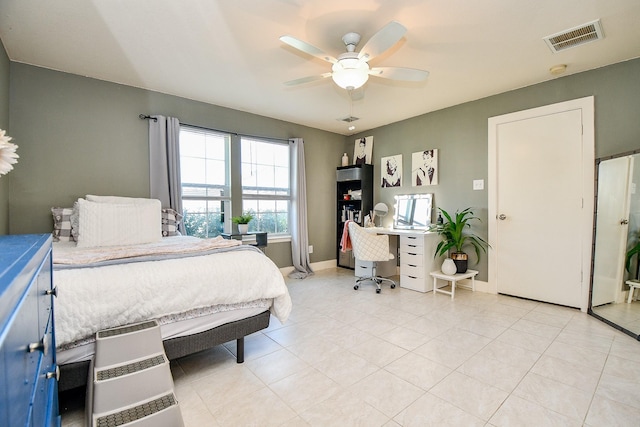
349	119
585	33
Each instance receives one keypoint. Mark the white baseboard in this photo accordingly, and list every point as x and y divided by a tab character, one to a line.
481	286
315	266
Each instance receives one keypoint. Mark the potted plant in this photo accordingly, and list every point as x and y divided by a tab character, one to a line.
634	250
243	222
456	236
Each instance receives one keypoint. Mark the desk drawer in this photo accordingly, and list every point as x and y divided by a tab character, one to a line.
412	240
411	247
411	258
363	268
420	284
412	270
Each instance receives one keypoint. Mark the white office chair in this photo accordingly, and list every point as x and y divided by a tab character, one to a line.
370	247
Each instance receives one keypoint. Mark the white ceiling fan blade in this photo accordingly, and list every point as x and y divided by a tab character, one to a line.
308	79
398	73
386	37
307	48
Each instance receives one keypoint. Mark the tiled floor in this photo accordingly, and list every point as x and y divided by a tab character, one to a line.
403	358
624	314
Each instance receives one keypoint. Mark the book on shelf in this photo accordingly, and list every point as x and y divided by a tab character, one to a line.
350	214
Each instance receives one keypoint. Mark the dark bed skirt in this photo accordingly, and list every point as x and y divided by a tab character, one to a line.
74	375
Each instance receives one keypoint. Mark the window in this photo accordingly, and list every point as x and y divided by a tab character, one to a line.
266	184
206	171
205	180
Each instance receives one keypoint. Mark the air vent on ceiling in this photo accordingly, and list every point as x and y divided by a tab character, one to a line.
572	37
349	119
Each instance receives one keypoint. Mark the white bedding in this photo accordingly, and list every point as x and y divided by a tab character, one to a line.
95	298
68	253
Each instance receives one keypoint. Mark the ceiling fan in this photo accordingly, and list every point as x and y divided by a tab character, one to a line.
351	69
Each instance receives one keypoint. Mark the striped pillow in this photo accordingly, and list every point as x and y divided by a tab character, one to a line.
62	230
170	221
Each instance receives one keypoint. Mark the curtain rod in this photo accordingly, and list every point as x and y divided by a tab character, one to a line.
143	117
147	117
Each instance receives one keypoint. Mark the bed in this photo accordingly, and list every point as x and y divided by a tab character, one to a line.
203	292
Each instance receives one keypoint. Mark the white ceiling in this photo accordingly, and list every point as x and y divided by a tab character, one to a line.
228	52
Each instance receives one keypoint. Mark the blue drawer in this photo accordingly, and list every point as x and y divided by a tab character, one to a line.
28	395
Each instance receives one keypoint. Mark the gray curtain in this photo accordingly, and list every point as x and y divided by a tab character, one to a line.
164	161
298	223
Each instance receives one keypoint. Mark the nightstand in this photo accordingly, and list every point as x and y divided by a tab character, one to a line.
260	238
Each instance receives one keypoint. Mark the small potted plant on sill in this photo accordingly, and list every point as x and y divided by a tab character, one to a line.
243	222
455	237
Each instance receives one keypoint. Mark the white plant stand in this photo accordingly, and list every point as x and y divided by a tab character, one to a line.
453	279
633	285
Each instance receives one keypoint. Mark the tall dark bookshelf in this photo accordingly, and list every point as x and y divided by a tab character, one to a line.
352	178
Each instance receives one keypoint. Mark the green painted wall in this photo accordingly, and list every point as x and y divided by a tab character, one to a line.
460	134
4	124
80	136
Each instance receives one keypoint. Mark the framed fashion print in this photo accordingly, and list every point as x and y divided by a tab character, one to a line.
391	171
424	167
363	151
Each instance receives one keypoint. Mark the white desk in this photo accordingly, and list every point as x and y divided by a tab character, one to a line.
417	248
453	278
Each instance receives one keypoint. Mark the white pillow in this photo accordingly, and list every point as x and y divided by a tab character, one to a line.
110	224
118	199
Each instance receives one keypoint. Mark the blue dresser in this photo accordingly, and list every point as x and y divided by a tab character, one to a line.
28	370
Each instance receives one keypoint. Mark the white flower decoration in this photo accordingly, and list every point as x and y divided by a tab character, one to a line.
8	156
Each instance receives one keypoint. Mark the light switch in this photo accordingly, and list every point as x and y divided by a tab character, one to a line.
478	184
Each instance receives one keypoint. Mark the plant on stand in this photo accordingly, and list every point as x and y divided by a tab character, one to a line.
243	222
456	235
633	250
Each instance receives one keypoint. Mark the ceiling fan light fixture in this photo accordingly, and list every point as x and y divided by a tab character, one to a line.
350	73
351	69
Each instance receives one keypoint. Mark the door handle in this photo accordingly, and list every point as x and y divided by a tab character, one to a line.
502	217
624	222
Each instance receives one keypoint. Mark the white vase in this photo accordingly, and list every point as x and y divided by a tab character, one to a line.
243	228
345	160
448	267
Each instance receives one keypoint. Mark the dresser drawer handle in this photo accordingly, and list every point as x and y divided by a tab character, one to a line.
411	253
53	291
42	345
54	374
412	277
35	346
412	265
412	246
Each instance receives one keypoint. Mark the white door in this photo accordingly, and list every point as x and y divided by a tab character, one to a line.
614	179
541	203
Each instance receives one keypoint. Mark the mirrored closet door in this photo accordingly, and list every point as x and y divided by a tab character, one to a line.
617	233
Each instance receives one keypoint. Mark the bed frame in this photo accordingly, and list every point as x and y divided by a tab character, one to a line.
74	375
